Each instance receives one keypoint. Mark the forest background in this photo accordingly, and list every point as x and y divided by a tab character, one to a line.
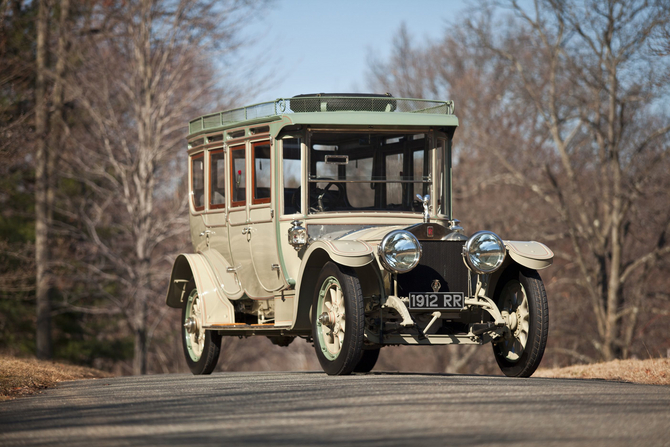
564	139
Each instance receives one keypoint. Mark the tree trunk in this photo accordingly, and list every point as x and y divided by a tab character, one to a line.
140	353
43	280
56	121
140	318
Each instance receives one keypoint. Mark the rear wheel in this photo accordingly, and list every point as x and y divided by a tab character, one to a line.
522	301
367	361
338	319
201	347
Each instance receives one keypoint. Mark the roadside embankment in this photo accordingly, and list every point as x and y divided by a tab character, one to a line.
20	377
650	371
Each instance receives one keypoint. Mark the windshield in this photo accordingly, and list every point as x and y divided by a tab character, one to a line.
368	171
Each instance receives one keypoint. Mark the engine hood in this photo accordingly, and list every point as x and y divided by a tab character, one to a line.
373	234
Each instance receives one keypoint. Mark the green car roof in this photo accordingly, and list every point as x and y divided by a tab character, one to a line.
336	110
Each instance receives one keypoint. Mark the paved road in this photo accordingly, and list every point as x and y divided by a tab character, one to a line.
296	409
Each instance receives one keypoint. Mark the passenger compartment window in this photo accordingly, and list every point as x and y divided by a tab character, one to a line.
291	170
238	176
198	181
262	169
217	178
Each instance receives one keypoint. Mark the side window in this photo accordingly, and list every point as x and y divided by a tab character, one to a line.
394	171
291	170
421	170
217	179
261	175
443	173
238	176
198	181
360	195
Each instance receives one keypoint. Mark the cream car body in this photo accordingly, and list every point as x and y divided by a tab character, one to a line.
289	204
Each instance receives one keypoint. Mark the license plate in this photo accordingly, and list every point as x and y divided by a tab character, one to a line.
436	301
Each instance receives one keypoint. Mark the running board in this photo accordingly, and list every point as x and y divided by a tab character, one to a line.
238	326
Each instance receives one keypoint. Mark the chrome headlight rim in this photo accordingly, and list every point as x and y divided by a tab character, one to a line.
467	251
382	255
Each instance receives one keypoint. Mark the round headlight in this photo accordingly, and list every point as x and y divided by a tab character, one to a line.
399	251
484	252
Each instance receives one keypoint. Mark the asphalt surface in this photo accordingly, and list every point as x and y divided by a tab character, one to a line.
297	409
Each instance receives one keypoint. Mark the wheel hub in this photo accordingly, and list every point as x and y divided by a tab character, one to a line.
513	322
324	319
191	325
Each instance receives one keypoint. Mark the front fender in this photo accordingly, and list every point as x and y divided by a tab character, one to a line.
531	254
349	253
353	254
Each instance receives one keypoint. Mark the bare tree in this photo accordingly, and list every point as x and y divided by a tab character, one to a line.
48	111
598	121
43	336
146	74
562	103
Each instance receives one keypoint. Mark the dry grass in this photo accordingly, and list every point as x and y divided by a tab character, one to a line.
651	371
20	377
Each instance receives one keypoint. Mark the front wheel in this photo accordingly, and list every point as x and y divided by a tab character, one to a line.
338	319
522	301
201	347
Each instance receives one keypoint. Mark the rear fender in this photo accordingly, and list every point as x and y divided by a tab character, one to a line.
194	268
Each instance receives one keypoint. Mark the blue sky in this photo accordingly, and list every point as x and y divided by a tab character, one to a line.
324	46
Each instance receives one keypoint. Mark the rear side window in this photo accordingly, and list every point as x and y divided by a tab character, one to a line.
198	181
217	178
238	176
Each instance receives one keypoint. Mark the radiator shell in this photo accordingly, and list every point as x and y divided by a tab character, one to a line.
441	260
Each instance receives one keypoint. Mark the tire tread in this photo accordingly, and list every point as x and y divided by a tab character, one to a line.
539	331
352	351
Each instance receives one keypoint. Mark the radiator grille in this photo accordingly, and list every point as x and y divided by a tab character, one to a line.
441	260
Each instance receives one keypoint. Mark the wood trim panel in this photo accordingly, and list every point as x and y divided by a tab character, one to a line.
194	158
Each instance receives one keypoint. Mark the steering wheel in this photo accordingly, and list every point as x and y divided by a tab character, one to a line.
325	199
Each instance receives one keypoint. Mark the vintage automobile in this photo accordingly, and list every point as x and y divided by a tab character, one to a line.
329	217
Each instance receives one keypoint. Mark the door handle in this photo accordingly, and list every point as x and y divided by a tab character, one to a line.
207	232
246	230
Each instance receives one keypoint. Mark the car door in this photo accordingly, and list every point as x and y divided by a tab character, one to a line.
262	231
239	229
217	249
